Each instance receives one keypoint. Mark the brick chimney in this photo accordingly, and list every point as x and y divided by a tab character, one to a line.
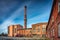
25	17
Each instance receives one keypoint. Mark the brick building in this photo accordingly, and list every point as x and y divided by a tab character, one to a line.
39	29
25	32
18	30
12	30
53	26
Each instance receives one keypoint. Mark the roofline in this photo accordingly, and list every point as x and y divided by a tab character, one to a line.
54	1
15	25
41	23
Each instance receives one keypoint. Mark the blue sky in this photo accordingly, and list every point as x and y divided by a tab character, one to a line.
12	12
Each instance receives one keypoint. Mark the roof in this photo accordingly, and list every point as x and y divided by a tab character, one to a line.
16	25
40	23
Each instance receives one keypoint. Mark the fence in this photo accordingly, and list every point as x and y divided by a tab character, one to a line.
21	38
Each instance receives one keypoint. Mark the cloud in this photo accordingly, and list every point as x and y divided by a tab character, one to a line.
39	18
6	7
9	21
42	16
4	26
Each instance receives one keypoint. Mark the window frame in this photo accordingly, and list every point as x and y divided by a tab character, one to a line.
43	28
58	7
38	28
58	29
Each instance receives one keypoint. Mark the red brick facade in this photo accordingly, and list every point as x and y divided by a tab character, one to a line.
54	20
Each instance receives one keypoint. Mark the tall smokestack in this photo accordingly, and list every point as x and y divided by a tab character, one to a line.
25	17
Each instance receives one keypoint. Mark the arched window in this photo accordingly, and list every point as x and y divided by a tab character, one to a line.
59	29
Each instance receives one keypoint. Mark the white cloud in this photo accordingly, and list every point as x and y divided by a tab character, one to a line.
5	25
10	21
37	19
